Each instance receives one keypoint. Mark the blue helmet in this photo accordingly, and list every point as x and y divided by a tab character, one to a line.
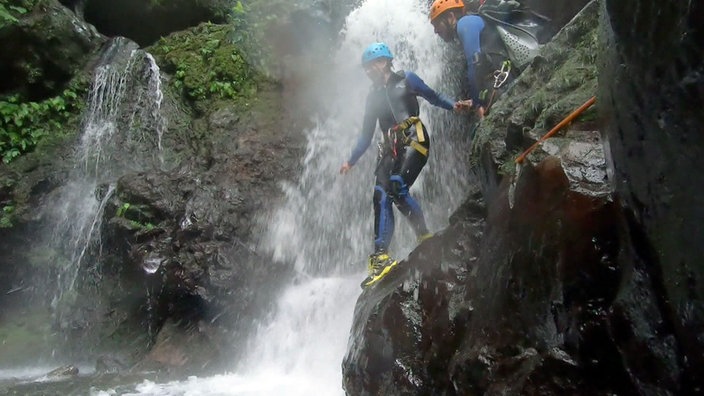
375	51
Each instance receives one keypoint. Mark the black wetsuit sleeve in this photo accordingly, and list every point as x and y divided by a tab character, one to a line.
419	87
367	133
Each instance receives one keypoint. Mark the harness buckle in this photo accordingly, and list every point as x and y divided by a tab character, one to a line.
398	136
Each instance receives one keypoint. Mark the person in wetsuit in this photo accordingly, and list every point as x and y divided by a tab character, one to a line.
392	103
498	39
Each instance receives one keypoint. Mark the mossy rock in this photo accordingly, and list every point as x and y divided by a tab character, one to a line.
206	64
43	49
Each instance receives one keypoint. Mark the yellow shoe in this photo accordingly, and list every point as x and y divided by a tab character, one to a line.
379	265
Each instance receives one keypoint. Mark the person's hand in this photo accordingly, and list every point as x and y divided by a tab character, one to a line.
462	105
480	112
345	168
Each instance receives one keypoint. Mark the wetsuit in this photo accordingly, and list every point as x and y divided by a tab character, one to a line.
483	51
399	164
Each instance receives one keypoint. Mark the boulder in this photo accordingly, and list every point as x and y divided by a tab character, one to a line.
43	50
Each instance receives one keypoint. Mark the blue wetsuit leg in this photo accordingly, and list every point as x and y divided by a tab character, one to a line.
383	212
406	172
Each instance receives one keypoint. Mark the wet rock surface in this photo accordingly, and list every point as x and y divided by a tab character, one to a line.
654	95
178	273
32	63
146	21
405	327
183	244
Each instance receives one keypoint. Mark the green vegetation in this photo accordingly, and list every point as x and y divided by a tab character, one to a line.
11	10
23	124
6	216
206	64
136	216
8	13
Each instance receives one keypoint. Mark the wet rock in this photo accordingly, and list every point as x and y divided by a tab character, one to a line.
547	268
108	364
147	21
180	346
44	50
559	13
64	371
655	61
406	328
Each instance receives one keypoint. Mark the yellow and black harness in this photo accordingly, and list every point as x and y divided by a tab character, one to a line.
399	136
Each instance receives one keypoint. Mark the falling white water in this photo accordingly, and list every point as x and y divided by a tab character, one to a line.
121	133
325	225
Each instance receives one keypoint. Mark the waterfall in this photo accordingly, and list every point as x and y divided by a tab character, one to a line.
325	225
121	130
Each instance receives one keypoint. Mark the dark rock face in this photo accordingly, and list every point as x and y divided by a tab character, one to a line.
543	281
653	88
146	21
559	13
180	261
45	49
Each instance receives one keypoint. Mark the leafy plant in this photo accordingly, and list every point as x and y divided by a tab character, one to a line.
6	216
10	10
23	124
5	16
122	209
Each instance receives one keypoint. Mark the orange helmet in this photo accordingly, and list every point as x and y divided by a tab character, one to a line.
440	6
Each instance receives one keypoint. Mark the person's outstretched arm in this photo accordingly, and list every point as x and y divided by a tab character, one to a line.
469	29
419	87
365	137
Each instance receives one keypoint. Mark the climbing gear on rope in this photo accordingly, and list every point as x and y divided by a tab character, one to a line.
557	127
501	75
396	136
440	6
376	51
379	265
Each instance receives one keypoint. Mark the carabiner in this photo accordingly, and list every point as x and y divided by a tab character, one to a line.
501	75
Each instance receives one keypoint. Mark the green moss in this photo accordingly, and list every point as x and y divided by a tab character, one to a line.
206	64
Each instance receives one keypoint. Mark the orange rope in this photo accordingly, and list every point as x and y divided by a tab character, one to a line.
557	127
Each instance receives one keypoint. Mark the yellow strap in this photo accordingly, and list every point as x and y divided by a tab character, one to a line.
419	148
419	131
405	124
